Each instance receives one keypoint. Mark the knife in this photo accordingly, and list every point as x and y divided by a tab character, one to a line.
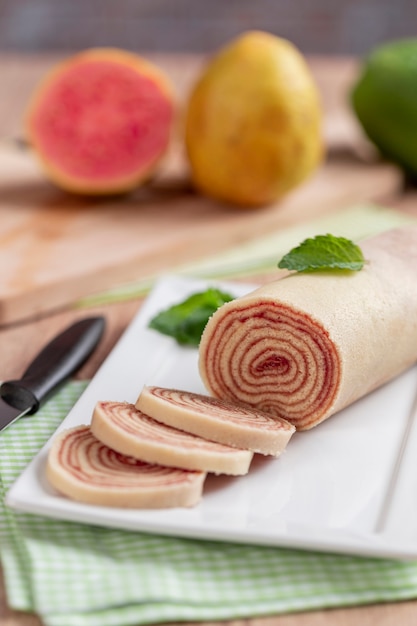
52	366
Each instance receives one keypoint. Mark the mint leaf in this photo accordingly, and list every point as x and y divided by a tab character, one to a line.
324	252
186	320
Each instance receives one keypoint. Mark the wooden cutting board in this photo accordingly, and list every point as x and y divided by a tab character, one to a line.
56	247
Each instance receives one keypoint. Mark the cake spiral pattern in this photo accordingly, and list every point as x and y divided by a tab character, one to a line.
307	345
215	419
84	469
130	431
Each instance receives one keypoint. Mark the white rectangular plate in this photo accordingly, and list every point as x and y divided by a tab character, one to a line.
349	485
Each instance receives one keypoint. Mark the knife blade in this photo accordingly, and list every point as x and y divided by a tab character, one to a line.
60	358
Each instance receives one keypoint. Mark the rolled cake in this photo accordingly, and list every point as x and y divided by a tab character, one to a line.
130	431
308	345
216	420
84	469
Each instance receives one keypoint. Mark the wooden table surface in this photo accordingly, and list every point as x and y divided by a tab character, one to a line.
20	341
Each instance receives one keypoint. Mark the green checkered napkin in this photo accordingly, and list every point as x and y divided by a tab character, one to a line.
79	575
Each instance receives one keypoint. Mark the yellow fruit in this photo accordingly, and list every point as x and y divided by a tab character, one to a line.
253	122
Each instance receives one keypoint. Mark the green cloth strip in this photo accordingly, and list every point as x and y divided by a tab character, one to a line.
79	575
261	255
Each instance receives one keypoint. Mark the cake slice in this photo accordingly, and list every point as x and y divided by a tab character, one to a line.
84	469
225	422
130	431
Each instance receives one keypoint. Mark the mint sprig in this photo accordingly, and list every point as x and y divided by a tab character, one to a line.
186	320
324	252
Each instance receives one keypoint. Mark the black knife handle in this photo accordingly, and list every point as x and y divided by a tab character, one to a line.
54	364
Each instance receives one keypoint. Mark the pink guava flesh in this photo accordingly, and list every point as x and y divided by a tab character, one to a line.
101	121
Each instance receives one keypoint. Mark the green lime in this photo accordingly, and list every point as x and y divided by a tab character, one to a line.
384	99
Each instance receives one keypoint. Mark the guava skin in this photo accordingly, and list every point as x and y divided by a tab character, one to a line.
253	122
384	99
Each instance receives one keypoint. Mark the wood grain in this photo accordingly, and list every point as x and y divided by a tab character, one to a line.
56	247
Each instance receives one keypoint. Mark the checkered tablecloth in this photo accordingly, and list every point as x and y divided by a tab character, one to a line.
79	575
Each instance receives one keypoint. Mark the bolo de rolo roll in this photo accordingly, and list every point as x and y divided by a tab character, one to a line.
309	344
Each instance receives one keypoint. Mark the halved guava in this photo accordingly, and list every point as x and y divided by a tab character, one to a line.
101	121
